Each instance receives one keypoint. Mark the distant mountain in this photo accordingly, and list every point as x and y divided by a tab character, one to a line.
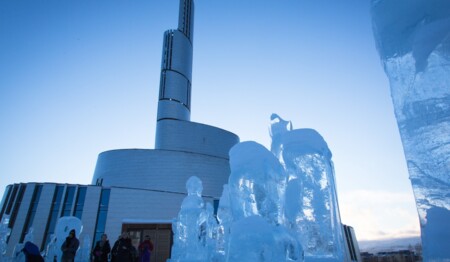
375	246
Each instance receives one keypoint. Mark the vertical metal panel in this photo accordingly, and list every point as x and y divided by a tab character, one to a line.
43	212
186	18
90	210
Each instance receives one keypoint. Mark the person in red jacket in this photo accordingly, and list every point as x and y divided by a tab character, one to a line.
145	250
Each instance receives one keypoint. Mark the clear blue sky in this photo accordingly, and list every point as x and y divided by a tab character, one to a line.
81	77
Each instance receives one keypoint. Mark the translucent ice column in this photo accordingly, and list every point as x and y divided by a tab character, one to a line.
413	41
312	209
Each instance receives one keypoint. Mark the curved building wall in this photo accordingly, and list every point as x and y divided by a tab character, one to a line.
194	137
161	170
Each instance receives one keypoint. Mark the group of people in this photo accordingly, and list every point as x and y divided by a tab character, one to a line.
122	251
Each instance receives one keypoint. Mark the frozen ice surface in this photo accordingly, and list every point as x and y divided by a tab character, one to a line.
413	41
51	252
4	233
257	183
18	255
84	252
277	206
312	209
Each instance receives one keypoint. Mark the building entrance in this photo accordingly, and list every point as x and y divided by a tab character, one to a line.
160	234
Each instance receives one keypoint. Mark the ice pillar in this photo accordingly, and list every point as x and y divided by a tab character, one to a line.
413	41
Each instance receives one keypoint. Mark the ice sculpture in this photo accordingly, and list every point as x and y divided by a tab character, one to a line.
189	244
51	252
84	252
256	184
311	202
274	205
4	233
62	229
17	254
413	41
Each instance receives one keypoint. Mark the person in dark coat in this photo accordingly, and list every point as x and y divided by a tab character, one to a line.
31	252
101	249
145	249
69	247
122	249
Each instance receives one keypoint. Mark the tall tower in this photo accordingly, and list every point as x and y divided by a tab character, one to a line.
182	148
176	67
174	130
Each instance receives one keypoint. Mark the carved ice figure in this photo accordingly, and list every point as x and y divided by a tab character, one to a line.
18	255
268	210
225	218
84	252
62	229
278	127
257	183
187	240
210	232
4	233
51	253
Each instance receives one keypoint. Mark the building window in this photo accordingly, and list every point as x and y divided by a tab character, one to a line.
54	211
68	201
351	247
11	199
8	194
101	215
31	211
79	203
17	203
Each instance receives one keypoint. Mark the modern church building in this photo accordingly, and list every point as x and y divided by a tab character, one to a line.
137	190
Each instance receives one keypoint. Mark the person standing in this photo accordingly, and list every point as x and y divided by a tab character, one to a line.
31	252
69	247
101	249
122	249
145	249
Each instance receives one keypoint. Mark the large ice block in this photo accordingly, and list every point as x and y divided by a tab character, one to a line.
413	41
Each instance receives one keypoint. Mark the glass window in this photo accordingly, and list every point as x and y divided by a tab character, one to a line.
67	207
31	211
102	213
17	203
11	199
79	204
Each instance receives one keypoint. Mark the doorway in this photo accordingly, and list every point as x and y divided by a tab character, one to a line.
160	235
